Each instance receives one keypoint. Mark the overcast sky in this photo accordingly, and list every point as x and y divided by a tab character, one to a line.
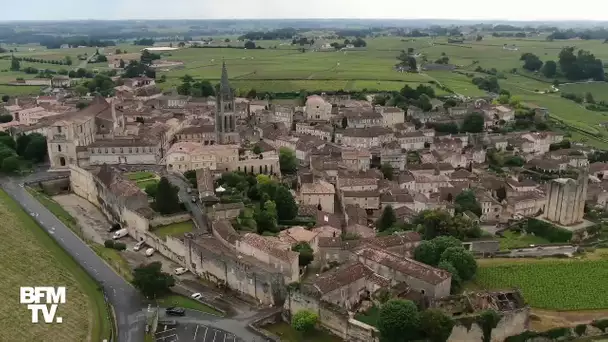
279	9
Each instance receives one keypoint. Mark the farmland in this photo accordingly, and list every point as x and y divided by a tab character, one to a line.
553	284
43	262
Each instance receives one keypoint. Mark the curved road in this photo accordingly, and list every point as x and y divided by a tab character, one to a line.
125	299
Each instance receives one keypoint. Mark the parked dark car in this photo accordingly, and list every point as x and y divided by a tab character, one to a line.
174	311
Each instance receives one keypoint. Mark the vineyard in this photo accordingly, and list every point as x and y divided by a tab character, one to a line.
555	284
31	258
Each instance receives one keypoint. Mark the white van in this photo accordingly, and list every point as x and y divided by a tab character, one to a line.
150	251
120	233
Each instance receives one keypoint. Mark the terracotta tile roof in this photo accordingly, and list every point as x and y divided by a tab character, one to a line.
361	194
330	242
197	129
298	234
394	240
317	187
341	276
269	247
404	265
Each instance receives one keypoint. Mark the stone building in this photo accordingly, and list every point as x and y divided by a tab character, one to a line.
225	115
317	109
566	199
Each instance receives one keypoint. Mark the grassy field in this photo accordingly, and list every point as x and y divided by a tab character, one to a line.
553	284
114	259
187	303
176	229
514	240
143	178
31	257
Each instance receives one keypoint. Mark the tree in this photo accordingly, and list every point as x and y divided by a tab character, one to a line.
589	98
304	321
411	62
462	260
466	201
6	118
549	69
426	252
436	325
151	281
166	200
22	141
287	209
5	98
531	61
287	160
11	164
387	219
473	123
398	321
306	253
456	283
36	149
15	65
387	171
151	190
249	45
257	149
266	221
68	60
8	141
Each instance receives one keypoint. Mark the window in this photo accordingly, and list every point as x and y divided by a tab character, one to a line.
58	147
250	281
113	151
59	129
80	129
121	150
130	150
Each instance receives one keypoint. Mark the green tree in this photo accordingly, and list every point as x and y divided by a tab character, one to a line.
81	90
387	171
306	253
398	321
4	118
466	201
249	45
266	222
462	260
152	190
257	149
411	62
473	123
36	150
288	160
11	164
304	321
456	283
22	141
287	208
426	252
444	242
387	219
549	69
166	200
5	98
151	281
8	141
15	64
436	325
589	98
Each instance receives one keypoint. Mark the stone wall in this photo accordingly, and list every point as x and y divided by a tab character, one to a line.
511	323
164	220
331	317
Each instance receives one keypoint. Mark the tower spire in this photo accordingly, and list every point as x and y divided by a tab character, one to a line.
224	84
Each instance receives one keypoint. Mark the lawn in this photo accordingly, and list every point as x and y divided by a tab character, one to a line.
31	257
187	303
370	317
114	259
176	229
288	334
137	176
599	90
514	240
144	183
553	284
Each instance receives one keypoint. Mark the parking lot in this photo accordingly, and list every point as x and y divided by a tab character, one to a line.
193	332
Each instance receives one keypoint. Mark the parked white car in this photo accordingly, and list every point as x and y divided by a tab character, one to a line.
196	296
120	233
138	246
180	270
150	251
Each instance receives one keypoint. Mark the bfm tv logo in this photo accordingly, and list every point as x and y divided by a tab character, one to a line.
43	299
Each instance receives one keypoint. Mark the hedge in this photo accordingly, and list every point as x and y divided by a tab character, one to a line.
548	231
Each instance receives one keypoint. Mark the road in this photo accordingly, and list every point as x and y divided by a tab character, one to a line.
125	299
193	208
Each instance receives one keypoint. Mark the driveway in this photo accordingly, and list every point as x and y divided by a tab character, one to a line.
124	298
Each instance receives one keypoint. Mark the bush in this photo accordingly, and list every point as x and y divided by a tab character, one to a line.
580	329
601	324
548	231
304	321
119	246
109	243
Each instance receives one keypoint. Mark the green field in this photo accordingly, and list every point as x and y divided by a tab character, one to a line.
31	257
514	240
553	284
288	334
176	229
187	303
